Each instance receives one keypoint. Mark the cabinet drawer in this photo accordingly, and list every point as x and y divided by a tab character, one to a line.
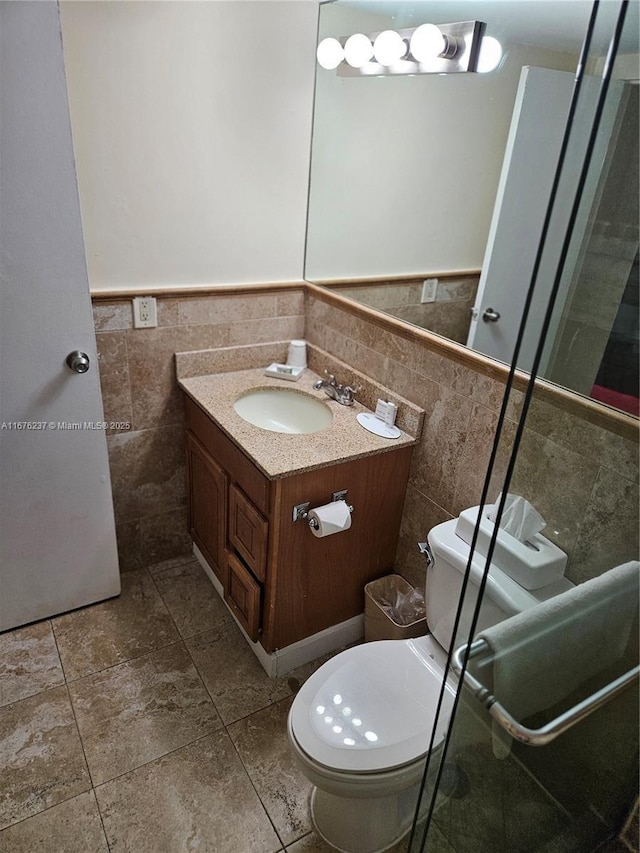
248	532
243	596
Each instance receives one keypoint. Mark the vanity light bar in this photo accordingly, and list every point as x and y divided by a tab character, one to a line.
427	49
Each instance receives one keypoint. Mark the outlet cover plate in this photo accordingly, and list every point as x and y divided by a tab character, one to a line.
145	314
429	288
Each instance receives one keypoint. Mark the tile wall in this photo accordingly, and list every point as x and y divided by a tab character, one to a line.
581	477
584	480
447	314
137	376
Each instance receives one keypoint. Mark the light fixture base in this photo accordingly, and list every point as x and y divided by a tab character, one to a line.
465	35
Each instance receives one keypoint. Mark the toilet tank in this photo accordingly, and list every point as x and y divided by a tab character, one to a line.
503	597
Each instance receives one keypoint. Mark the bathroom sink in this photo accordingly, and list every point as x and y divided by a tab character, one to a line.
283	410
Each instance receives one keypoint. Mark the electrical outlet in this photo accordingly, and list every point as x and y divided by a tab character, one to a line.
429	287
145	314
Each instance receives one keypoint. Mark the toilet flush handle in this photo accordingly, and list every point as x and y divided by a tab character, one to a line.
425	549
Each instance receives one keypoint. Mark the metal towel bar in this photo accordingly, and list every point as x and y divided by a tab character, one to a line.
551	730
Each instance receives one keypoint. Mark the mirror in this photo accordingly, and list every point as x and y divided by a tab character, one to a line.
428	191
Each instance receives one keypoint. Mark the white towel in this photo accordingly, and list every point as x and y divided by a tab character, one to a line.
542	654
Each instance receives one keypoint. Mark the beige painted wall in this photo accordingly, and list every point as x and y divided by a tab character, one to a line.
192	148
404	170
191	124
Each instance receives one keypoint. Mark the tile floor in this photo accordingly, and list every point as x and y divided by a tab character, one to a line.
145	723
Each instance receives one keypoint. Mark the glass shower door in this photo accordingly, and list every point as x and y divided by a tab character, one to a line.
542	748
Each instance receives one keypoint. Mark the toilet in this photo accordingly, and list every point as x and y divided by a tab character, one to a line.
361	725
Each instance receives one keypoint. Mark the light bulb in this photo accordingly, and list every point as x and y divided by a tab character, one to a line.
358	50
389	48
330	53
490	55
427	43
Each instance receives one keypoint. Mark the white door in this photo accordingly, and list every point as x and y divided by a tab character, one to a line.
57	532
531	158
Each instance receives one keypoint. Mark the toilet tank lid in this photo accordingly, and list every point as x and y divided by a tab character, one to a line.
510	597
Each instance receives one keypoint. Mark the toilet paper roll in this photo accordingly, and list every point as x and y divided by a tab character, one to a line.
331	518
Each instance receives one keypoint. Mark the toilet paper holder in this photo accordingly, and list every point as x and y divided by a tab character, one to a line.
301	511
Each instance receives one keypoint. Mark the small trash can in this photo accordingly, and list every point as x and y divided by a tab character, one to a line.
393	610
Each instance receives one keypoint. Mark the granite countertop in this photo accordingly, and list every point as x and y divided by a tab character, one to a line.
281	454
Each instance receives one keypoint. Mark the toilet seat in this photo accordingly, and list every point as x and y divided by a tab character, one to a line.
372	707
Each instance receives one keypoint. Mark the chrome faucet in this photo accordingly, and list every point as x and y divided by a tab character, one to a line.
343	394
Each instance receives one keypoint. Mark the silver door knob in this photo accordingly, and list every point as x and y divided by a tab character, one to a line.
78	361
490	316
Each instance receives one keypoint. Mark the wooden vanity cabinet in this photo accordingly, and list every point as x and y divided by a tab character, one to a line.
283	583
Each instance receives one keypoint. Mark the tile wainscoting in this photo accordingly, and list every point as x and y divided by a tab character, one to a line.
137	375
577	464
448	313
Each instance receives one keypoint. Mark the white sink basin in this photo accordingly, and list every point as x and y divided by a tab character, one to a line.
283	410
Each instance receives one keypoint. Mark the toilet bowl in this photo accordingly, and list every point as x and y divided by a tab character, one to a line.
361	725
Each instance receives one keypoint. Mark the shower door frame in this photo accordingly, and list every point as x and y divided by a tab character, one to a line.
418	838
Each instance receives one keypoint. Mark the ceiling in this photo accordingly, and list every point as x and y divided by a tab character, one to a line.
557	24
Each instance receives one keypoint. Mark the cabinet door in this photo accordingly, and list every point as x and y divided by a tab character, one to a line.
248	532
242	594
207	491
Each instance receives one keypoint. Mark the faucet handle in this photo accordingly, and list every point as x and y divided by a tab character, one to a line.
347	393
331	379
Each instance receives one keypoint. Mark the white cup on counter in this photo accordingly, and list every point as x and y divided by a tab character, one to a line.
297	355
